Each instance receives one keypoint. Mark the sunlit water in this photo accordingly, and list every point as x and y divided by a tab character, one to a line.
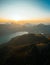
7	38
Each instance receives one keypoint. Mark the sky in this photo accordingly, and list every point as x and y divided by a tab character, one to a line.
24	9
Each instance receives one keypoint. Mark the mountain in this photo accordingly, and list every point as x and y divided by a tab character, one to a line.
9	28
29	38
40	28
28	49
31	28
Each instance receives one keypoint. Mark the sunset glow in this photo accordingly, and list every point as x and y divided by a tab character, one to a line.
34	21
34	11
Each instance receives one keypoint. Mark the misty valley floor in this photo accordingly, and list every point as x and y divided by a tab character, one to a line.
28	49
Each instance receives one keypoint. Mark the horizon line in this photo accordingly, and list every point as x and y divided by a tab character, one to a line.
39	20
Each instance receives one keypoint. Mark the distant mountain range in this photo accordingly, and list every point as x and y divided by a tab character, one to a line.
11	28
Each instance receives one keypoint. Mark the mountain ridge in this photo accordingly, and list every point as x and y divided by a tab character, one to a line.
23	50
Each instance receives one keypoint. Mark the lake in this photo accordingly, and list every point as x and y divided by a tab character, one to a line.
7	38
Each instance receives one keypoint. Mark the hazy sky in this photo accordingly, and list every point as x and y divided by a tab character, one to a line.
24	9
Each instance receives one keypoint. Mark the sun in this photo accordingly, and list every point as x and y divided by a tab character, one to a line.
15	17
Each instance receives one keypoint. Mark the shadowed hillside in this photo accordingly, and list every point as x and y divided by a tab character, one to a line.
28	49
